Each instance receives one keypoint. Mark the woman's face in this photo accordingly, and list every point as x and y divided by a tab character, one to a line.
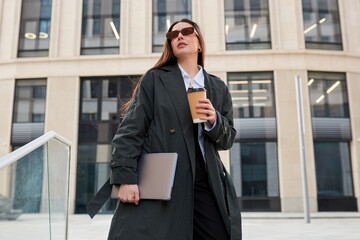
184	46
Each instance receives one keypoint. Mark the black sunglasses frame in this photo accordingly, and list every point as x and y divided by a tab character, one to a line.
185	32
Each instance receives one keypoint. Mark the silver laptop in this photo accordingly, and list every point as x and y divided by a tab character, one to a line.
156	172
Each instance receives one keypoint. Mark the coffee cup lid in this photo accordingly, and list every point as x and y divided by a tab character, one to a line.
196	90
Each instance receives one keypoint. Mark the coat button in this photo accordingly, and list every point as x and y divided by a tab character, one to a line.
172	131
112	163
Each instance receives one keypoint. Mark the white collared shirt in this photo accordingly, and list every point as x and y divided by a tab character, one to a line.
197	82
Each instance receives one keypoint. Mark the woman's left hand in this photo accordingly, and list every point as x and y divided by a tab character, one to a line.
205	106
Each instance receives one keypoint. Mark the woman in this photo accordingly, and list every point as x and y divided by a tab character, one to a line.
203	204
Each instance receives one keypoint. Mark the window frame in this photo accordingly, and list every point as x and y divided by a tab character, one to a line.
247	15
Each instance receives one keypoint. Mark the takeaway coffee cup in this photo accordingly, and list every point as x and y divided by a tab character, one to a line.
194	94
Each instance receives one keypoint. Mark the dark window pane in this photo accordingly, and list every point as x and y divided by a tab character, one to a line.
85	173
34	36
100	27
247	24
87	153
38	117
254	169
333	169
88	131
165	12
90	177
39	91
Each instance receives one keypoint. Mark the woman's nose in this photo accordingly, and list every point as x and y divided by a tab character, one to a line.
180	36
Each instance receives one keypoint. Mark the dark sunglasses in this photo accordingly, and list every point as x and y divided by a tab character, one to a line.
185	31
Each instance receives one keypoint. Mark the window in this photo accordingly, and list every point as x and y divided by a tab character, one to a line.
328	95
165	12
29	102
322	24
334	176
253	157
29	111
256	169
332	136
34	36
333	169
247	24
100	27
252	94
28	124
101	99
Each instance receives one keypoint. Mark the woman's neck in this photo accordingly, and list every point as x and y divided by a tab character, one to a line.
190	67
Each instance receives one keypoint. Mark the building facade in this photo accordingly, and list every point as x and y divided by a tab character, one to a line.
68	66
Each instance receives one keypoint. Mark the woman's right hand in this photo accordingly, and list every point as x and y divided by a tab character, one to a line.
129	193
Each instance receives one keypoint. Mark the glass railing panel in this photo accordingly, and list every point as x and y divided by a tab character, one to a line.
58	177
23	198
34	194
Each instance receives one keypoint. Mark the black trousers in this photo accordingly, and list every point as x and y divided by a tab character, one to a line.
208	223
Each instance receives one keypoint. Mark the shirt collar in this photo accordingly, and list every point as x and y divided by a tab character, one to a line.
196	82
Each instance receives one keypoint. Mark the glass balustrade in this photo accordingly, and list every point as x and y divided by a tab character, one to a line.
34	192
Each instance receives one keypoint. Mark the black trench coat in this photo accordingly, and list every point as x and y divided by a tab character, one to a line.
159	120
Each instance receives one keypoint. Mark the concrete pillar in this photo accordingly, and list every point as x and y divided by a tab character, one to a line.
210	16
353	86
6	111
136	26
62	114
9	28
349	21
290	176
286	25
65	38
7	88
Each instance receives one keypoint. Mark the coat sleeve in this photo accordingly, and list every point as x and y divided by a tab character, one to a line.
129	138
223	134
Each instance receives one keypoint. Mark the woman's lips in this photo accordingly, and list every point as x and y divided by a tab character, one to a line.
181	44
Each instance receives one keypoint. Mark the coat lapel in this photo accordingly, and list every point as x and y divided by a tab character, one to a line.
175	86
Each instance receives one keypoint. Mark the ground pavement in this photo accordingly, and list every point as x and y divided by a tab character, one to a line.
256	226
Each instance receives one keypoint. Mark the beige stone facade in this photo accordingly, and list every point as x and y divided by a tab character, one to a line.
287	59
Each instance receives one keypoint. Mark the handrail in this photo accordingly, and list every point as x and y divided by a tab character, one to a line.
27	148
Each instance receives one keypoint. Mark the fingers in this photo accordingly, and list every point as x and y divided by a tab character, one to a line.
137	198
204	106
129	193
129	198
